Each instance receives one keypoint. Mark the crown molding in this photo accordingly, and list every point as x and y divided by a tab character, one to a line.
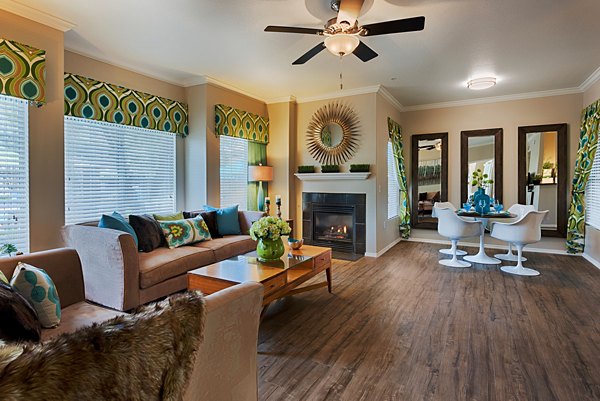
391	99
205	79
342	93
36	15
494	99
591	80
284	99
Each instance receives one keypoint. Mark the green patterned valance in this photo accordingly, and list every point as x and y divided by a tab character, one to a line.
88	98
241	124
22	71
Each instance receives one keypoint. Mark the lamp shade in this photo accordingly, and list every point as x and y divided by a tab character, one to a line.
260	173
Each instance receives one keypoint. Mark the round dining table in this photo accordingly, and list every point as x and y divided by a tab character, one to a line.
481	256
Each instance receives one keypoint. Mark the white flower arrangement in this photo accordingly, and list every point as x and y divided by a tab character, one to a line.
270	228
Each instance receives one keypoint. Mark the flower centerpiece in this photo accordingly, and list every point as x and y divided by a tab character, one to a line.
481	200
268	231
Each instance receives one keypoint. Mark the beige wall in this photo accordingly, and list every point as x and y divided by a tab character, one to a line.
508	115
87	67
46	143
202	178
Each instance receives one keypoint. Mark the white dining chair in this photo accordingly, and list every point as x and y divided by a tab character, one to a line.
526	230
450	225
447	251
520	210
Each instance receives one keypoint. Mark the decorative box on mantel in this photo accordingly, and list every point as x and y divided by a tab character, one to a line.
331	176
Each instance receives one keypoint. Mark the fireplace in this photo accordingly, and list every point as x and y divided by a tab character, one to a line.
335	220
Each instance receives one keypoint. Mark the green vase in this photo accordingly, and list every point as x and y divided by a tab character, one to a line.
269	249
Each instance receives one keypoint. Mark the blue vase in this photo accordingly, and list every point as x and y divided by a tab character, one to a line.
481	201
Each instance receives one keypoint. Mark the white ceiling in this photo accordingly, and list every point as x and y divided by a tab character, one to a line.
529	45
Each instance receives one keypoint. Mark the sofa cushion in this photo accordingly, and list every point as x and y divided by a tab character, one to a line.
37	287
168	217
117	222
149	233
228	221
210	218
228	246
18	319
164	263
184	232
78	315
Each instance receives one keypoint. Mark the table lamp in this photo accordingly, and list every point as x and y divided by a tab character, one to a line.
260	173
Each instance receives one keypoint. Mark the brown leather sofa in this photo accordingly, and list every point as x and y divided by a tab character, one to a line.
225	367
116	275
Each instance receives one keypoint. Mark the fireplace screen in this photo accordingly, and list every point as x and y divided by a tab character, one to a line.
330	226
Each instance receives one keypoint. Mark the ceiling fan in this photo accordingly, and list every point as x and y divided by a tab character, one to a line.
342	32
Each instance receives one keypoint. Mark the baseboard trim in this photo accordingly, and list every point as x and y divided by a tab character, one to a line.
490	246
591	260
384	250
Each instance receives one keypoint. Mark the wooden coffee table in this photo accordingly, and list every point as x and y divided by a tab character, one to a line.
280	278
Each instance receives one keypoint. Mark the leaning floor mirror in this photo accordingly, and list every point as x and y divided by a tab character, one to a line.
543	174
481	150
429	158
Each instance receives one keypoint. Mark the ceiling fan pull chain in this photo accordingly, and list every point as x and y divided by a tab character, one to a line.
341	79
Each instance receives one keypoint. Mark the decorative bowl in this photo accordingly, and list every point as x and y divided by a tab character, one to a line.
295	243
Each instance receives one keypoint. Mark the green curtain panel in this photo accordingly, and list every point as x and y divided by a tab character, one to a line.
22	71
395	134
101	101
588	143
241	124
257	154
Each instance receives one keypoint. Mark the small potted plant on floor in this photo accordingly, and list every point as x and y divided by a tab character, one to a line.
267	231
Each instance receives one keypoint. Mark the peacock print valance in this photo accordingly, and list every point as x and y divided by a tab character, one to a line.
241	124
22	71
101	101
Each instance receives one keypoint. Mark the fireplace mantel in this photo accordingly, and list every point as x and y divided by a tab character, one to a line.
331	176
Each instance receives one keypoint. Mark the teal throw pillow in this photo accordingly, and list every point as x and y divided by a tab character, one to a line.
36	286
184	232
118	222
228	221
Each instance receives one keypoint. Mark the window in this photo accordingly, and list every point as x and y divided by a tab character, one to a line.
393	187
14	173
234	171
592	195
112	167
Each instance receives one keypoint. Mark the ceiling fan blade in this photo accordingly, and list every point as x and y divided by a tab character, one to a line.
349	11
310	54
293	29
364	52
396	26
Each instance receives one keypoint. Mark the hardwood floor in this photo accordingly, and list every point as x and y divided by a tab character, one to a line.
403	327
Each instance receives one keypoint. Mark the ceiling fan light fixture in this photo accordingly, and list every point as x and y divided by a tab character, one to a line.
481	83
341	44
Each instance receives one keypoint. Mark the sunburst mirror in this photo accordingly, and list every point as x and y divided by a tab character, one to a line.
332	135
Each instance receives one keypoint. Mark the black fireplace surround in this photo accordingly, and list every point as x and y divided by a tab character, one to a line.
337	221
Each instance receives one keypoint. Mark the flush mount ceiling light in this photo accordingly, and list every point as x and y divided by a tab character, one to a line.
481	83
341	44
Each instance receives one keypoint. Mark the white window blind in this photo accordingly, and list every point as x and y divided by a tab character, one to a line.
111	167
14	173
393	188
592	195
234	172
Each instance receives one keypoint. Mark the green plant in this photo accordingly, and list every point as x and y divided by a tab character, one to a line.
269	227
480	179
330	168
537	177
306	169
360	168
8	249
547	165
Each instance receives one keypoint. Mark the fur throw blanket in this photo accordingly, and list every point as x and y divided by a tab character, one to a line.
148	355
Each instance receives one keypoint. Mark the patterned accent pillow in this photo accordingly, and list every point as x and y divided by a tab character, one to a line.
3	278
36	286
184	232
18	320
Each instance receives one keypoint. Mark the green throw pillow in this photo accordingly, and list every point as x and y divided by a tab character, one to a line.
36	286
183	232
168	217
3	278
